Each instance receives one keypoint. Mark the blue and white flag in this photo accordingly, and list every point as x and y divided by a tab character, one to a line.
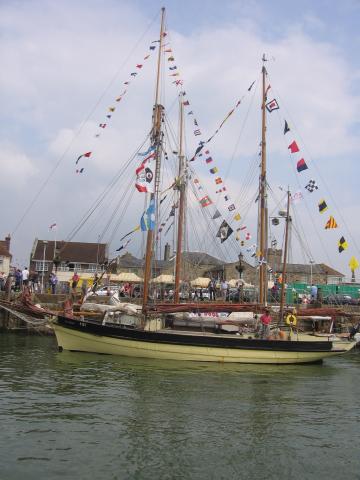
149	150
147	221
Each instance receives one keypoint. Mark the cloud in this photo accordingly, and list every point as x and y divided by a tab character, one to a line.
17	169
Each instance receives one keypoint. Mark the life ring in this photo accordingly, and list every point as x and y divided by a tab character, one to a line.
291	320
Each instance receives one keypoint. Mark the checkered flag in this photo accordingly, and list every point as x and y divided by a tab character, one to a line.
311	186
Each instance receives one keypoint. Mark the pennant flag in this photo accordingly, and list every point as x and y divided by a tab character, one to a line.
139	65
178	82
147	221
161	201
124	245
152	47
311	186
195	122
237	217
331	223
253	83
146	57
218	181
227	198
342	244
213	170
108	116
297	197
191	112
216	215
136	229
205	201
171	59
224	231
102	125
174	74
242	243
168	50
197	132
173	68
247	236
80	171
272	105
242	228
53	226
301	165
145	175
186	103
150	149
133	74
126	83
87	154
118	99
353	264
286	128
293	147
167	230
209	160
221	190
231	207
111	109
322	206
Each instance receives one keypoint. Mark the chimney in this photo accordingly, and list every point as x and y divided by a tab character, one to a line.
7	242
167	252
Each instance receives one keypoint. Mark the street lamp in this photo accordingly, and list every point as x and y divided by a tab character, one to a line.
45	242
311	270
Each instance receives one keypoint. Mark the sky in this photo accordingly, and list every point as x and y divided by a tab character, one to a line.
63	63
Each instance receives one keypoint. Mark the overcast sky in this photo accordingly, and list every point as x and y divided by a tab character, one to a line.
64	62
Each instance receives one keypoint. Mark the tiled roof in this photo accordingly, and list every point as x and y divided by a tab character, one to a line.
79	252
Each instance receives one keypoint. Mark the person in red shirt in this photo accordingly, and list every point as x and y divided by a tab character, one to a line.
265	320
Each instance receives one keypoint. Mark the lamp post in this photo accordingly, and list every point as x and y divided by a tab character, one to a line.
240	269
43	266
311	270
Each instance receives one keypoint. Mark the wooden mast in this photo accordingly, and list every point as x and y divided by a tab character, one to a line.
283	283
156	140
181	186
263	206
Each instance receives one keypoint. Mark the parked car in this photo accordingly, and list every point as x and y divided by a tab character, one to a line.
107	290
340	299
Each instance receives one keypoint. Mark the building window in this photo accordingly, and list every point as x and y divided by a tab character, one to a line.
39	266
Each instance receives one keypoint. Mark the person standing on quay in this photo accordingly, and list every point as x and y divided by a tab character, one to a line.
53	282
25	277
74	281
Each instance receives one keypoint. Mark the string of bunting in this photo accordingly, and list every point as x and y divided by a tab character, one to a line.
111	109
311	185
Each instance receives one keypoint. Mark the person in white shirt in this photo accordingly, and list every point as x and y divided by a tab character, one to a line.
25	276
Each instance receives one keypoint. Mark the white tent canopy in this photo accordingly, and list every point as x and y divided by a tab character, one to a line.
164	279
201	282
126	277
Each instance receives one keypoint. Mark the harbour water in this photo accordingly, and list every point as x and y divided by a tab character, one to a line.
68	415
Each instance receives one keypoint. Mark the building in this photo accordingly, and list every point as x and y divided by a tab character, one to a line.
66	258
5	255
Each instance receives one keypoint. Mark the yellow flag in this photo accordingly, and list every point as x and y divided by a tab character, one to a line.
237	217
353	264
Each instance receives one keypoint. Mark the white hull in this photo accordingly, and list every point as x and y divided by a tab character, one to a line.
75	340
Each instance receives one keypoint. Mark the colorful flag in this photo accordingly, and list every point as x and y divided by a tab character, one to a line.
205	201
139	65
272	105
152	47
197	132
223	189
231	207
322	206
293	147
150	149
331	223
297	197
186	103
342	244
124	245
224	231
237	217
87	154
111	109
147	221
286	128
102	125
136	229
353	264
301	165
145	175
218	181
209	160
171	59
53	226
216	215
213	170
133	74
311	186
80	171
247	236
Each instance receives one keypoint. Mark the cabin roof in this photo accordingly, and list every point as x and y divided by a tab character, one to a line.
77	252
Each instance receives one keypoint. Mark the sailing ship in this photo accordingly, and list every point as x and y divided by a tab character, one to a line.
151	330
